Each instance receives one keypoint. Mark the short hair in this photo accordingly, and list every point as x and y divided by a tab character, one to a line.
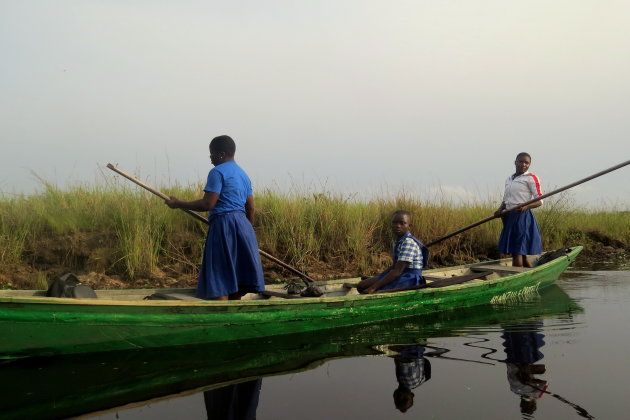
523	154
402	213
224	144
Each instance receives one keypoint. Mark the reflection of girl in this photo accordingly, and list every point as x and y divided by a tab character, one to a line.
234	402
523	383
523	350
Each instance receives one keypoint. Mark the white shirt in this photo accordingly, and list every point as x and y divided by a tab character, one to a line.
520	189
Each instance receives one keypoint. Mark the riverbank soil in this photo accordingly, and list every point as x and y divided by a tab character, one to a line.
92	258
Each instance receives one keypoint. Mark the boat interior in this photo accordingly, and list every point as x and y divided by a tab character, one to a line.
435	278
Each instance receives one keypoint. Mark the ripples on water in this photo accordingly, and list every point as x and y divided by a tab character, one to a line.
559	355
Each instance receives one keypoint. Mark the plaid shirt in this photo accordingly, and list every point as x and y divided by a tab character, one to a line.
410	374
406	249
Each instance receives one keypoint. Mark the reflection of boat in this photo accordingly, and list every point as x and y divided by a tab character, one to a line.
63	386
32	324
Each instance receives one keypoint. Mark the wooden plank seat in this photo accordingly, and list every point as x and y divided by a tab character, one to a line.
498	267
449	281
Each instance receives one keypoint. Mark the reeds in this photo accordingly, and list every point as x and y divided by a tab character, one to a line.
126	231
318	227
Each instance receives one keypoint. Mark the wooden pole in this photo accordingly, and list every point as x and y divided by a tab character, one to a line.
203	219
566	187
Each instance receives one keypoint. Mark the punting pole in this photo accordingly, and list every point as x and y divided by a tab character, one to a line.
203	219
566	187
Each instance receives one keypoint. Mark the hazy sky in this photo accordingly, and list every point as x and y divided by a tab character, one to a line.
360	97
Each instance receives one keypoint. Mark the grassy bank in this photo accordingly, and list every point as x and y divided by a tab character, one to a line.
123	237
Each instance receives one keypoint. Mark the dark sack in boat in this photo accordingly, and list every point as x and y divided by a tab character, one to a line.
551	255
69	286
83	291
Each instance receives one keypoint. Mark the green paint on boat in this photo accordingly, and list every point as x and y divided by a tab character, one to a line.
72	385
35	325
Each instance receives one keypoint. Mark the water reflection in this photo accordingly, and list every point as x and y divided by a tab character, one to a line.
63	387
522	346
233	402
412	370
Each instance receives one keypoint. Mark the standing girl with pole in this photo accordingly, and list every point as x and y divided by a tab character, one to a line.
231	264
520	236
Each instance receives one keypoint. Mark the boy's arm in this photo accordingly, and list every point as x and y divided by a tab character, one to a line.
393	274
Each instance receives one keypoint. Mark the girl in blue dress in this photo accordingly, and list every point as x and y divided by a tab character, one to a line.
520	236
231	265
409	257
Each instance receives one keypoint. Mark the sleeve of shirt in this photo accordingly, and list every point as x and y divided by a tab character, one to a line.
505	189
534	186
214	183
250	190
408	250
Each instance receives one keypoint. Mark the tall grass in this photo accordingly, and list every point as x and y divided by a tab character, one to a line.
126	231
317	227
13	235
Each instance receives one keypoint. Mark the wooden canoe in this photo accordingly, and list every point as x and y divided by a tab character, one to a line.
73	385
34	325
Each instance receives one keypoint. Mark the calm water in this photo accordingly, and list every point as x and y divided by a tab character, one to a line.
561	355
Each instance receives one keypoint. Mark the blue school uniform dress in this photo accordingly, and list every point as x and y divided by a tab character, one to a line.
523	349
520	234
231	261
234	402
522	345
410	249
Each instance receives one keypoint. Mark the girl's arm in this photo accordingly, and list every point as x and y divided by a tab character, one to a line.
497	213
534	188
249	208
530	206
393	274
206	203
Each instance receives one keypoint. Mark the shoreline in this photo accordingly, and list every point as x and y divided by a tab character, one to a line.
596	256
123	238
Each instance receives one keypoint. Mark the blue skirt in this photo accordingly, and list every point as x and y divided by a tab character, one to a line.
409	278
231	262
520	234
524	346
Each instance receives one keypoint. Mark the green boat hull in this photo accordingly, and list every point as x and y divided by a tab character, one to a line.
35	326
71	385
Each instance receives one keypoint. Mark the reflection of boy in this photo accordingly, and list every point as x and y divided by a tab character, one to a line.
412	370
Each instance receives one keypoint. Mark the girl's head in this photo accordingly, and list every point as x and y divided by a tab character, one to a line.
401	222
222	149
522	162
